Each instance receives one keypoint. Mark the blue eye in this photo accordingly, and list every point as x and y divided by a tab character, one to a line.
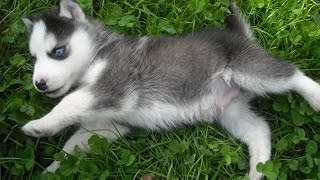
59	51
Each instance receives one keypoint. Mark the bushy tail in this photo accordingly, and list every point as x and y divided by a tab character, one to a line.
236	23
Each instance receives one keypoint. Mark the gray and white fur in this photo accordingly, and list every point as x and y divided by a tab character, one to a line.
155	83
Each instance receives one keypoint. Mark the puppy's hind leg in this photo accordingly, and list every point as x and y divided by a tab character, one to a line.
245	125
308	88
109	130
264	73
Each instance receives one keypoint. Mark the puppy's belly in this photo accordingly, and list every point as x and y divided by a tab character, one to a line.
161	115
227	96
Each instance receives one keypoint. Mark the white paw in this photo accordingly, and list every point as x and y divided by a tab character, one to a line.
52	168
255	175
315	102
38	128
309	89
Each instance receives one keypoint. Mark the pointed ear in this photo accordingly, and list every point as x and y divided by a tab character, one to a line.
70	9
28	22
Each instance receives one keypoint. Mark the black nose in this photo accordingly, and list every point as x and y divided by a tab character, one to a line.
42	85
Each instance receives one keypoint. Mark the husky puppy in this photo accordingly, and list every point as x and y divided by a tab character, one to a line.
155	82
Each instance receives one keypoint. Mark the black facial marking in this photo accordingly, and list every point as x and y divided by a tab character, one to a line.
61	27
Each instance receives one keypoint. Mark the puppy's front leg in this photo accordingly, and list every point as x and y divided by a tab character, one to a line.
67	112
111	131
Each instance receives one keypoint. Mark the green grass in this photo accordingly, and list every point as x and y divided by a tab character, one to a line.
287	28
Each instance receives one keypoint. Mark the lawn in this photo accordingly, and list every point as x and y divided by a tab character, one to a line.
289	29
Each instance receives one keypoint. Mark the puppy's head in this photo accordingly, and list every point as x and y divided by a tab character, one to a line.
60	46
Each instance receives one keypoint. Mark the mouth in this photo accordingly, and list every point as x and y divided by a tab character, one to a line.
53	92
